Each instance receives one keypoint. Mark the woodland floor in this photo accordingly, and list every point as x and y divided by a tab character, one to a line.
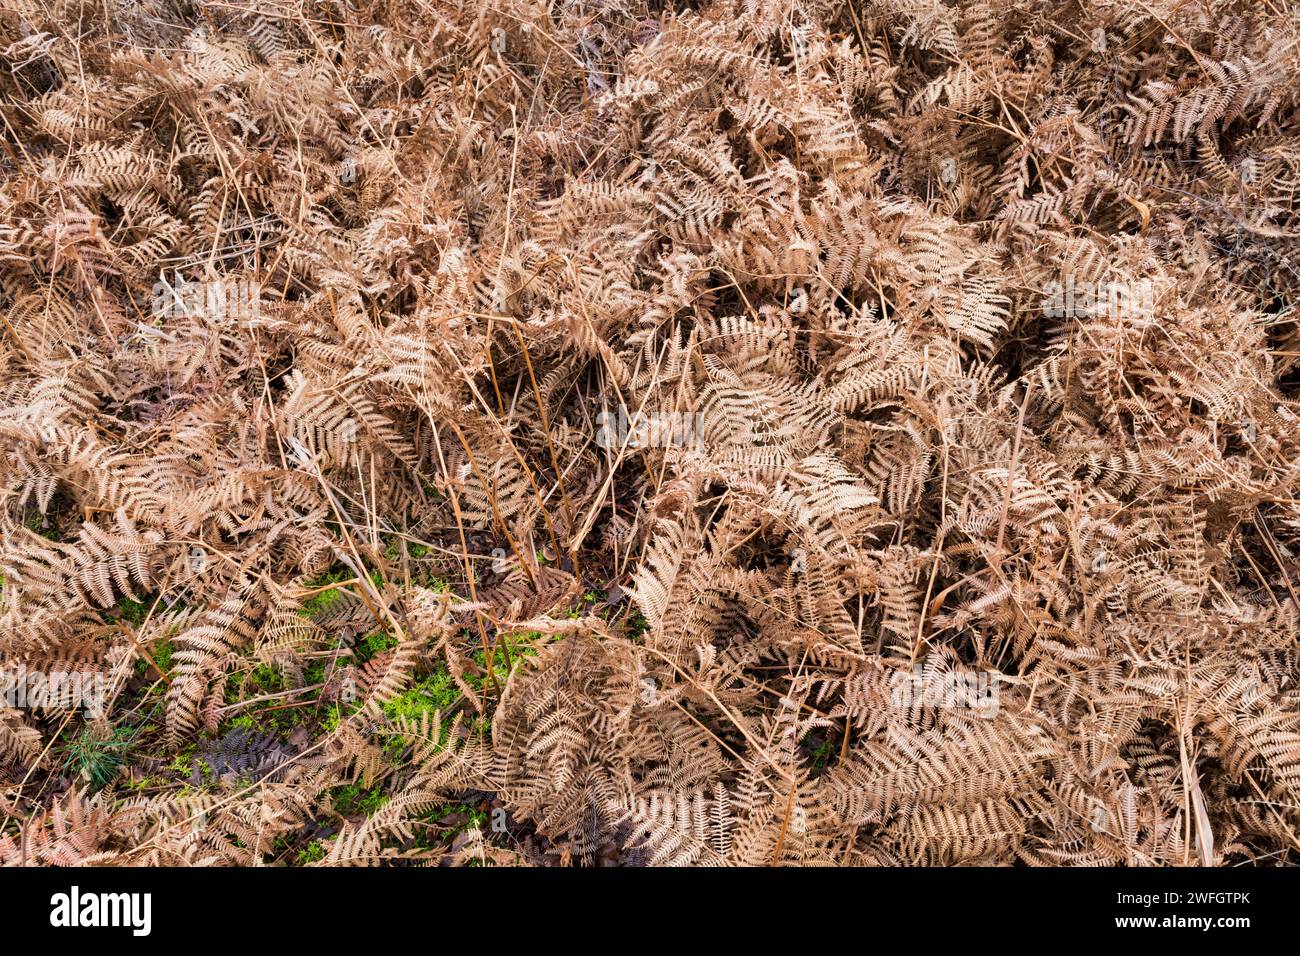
620	433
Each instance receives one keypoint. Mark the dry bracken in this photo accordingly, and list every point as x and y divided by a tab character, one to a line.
744	432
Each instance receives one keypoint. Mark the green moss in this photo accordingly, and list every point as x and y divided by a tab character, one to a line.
261	680
269	715
321	602
518	645
433	832
314	852
314	673
376	642
394	550
330	722
267	678
823	754
351	799
437	692
133	612
637	625
144	783
183	762
45	529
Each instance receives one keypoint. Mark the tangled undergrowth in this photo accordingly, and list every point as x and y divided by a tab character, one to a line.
613	432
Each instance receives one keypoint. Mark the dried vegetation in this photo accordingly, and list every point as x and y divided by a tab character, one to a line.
766	432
